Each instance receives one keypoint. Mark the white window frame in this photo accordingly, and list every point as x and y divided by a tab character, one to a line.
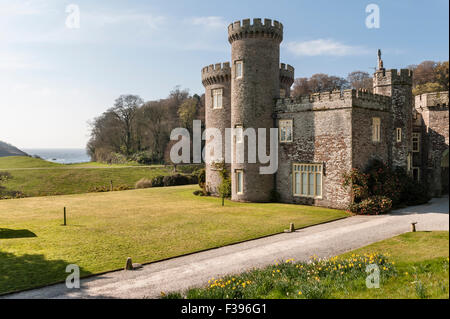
398	135
217	98
301	170
415	139
285	126
239	134
241	63
376	129
239	174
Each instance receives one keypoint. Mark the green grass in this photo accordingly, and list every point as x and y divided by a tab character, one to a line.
147	225
36	177
412	265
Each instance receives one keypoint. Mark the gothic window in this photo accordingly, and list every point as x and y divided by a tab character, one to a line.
217	98
285	130
307	180
416	142
376	129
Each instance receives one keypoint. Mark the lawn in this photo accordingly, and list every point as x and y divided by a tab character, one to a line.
36	177
147	225
412	265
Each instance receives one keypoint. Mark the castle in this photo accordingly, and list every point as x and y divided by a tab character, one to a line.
323	135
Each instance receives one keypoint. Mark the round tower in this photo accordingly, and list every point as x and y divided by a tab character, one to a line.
286	79
255	83
217	82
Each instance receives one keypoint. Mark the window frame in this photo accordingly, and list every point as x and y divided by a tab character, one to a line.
376	129
415	135
281	127
239	174
241	63
218	93
301	170
398	134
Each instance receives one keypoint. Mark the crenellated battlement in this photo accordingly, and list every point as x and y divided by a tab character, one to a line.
394	76
334	100
432	100
286	74
245	29
216	73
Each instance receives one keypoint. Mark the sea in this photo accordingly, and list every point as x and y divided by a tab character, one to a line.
60	155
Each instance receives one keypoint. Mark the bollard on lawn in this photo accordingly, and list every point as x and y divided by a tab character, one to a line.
413	227
65	216
129	264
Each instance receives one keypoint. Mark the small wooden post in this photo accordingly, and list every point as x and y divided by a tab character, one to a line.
129	264
111	187
291	228
65	216
413	227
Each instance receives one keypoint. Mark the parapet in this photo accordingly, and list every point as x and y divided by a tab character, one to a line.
394	76
334	100
432	100
244	29
286	74
216	73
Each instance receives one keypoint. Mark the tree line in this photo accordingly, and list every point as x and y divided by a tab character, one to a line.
140	131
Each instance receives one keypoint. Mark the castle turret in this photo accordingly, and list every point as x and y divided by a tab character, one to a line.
398	85
255	83
286	79
217	82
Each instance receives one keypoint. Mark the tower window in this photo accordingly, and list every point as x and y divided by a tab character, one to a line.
376	129
399	134
285	130
416	173
307	180
239	69
239	134
282	93
415	142
217	98
239	181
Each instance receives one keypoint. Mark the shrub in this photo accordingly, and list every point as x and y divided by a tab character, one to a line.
144	157
225	184
157	181
373	205
201	175
5	176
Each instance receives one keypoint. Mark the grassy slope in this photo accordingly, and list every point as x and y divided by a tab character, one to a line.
58	179
148	225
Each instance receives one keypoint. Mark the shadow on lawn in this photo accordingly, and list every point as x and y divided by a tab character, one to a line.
6	233
30	271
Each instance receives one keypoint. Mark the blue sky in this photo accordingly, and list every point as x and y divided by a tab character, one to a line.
54	79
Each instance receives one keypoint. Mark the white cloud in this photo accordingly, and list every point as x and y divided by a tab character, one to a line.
17	8
324	47
210	22
13	61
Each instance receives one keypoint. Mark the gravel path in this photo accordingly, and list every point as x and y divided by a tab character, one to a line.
324	240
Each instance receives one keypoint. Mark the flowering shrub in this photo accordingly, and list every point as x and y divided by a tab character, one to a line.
373	205
379	188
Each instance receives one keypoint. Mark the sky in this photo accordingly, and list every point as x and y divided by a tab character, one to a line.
56	74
